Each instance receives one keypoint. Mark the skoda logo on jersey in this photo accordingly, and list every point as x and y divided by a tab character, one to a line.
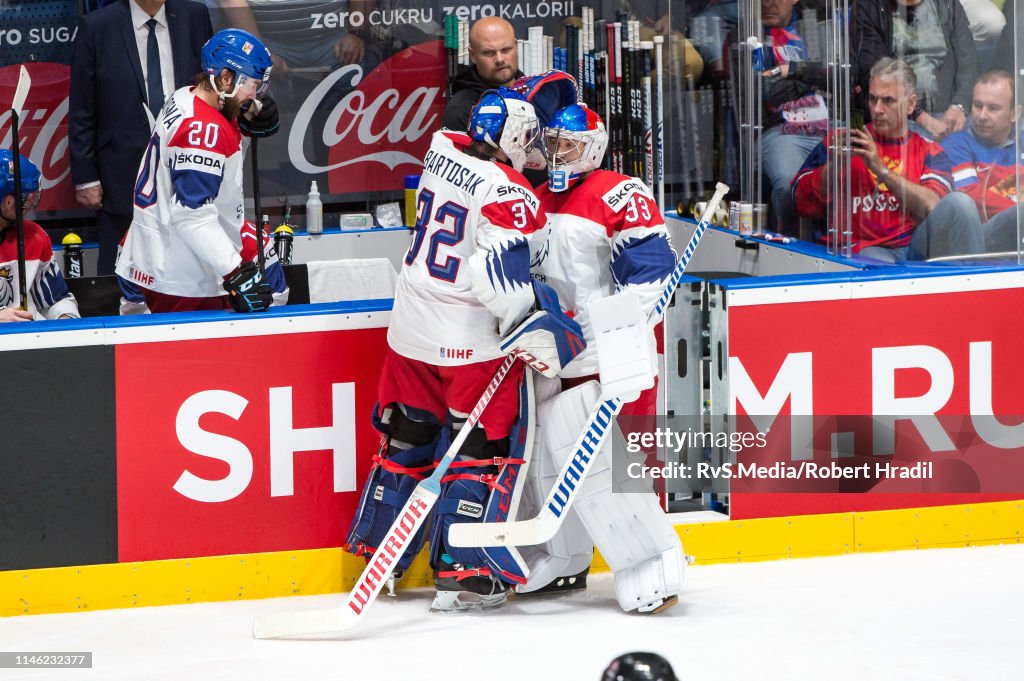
469	508
628	188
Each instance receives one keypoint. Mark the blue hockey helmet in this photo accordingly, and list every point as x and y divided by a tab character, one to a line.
30	177
575	141
241	52
548	92
504	120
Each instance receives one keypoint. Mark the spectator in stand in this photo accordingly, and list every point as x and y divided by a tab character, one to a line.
48	295
1004	50
112	85
985	19
934	38
495	56
795	118
901	184
984	159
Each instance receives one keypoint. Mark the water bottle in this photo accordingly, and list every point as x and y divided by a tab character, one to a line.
412	183
283	243
314	211
72	255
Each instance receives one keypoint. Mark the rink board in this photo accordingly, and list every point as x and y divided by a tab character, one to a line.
265	517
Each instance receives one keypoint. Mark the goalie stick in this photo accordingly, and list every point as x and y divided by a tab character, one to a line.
560	499
395	542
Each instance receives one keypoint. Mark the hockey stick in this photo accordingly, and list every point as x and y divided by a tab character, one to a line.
20	95
648	110
659	124
543	527
261	258
375	575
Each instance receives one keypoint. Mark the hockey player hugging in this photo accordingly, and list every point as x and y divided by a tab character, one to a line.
464	301
599	242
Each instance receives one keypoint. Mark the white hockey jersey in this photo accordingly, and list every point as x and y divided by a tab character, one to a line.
48	295
606	234
466	278
185	231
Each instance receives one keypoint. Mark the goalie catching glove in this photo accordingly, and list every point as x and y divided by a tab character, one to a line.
247	290
548	339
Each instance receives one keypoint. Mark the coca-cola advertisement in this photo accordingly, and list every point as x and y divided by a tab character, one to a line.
39	34
361	87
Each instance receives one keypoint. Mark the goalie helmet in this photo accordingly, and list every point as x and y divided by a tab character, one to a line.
29	179
504	120
244	54
575	141
549	92
639	667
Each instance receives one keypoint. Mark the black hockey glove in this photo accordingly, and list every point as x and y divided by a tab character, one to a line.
246	289
261	123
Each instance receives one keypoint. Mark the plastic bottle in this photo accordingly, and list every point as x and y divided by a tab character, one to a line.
283	243
412	183
72	255
314	211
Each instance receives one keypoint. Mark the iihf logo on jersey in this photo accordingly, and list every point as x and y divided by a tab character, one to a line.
456	353
6	286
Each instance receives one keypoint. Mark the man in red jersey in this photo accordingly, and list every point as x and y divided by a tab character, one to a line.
901	184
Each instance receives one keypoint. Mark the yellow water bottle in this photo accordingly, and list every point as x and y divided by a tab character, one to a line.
412	183
72	244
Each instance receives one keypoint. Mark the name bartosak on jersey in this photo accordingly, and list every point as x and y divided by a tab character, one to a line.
452	171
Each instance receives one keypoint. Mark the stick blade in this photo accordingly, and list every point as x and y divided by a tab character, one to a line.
302	623
517	533
21	92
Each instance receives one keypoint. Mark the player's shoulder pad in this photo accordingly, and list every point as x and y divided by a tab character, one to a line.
37	242
617	195
205	129
512	186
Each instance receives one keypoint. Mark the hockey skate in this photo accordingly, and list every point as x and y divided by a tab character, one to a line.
460	588
659	605
567	584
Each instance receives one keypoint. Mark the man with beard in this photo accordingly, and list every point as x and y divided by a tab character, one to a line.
184	246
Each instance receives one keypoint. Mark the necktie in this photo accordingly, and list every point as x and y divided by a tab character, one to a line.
154	83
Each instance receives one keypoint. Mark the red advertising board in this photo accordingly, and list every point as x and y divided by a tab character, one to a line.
243	444
43	128
951	354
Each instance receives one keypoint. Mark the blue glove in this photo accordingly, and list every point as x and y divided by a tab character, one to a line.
548	339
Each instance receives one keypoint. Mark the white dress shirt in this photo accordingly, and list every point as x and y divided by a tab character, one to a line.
163	41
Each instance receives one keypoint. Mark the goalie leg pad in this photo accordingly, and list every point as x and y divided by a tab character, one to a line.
560	419
633	535
628	526
482	486
408	444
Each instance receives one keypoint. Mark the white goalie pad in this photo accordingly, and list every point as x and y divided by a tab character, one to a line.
628	526
626	351
560	418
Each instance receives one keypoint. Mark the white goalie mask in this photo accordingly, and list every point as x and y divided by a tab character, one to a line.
574	142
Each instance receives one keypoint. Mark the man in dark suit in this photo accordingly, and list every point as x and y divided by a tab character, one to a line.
113	88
